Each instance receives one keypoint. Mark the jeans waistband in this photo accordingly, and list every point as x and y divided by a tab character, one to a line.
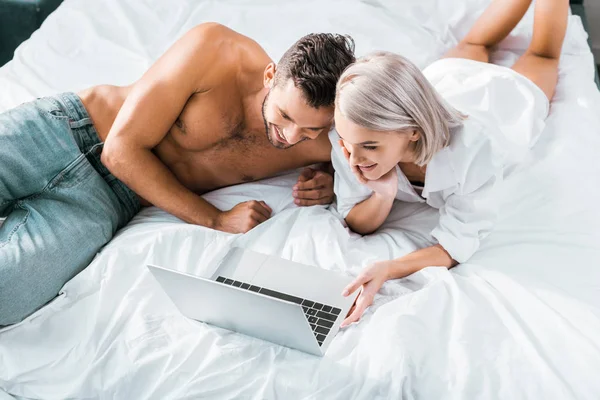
89	143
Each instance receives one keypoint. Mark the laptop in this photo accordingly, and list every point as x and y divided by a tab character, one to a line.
267	297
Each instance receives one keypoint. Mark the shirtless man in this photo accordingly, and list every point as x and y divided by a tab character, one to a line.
213	111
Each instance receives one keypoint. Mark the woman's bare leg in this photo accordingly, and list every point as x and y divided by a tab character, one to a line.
540	61
496	22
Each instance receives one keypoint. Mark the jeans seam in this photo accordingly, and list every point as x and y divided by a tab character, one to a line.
19	225
61	175
58	117
56	179
54	182
57	108
76	165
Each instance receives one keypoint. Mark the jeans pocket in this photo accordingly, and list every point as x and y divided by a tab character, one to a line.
51	107
71	175
58	114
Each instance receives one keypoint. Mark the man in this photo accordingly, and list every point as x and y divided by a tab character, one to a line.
213	111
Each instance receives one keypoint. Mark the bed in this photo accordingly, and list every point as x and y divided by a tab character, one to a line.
519	320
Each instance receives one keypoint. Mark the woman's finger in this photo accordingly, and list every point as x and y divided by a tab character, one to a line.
355	284
345	152
359	175
356	314
354	168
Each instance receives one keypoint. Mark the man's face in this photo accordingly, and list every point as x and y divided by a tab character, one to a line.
289	120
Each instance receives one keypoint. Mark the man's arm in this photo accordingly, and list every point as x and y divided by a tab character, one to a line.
147	115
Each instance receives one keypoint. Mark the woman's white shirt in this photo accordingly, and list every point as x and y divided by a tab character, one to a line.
506	114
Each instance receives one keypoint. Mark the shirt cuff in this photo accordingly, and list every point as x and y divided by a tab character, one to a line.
459	248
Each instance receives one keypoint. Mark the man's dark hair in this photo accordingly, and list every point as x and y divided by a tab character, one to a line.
315	63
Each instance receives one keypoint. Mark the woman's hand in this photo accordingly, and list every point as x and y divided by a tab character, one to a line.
370	280
386	186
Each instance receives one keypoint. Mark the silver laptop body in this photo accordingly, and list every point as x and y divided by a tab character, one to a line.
263	296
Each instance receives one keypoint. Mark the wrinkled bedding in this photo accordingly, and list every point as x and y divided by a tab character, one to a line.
519	320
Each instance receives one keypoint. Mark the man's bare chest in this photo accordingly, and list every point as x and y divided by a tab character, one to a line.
208	148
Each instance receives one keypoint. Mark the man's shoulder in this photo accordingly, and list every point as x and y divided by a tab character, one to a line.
214	33
211	40
225	51
222	39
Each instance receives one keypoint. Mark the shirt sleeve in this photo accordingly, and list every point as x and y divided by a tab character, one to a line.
348	190
470	207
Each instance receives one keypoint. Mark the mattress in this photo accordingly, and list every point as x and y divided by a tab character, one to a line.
519	320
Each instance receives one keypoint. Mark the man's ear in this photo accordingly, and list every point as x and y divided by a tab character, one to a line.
269	75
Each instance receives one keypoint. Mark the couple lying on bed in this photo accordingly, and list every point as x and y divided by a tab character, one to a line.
215	111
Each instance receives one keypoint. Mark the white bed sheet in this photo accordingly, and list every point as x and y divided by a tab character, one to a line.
520	320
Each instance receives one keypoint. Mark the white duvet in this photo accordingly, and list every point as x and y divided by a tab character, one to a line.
520	320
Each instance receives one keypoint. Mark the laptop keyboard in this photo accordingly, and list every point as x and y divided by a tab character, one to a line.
320	316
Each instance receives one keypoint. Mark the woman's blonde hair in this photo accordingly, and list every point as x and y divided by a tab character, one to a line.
384	91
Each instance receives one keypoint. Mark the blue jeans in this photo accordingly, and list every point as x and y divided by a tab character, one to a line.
61	204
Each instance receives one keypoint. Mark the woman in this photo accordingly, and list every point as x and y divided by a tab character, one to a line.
444	136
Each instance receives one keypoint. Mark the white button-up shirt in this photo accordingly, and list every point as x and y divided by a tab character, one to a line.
506	113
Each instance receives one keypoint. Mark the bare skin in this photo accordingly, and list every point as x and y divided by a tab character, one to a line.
195	122
539	63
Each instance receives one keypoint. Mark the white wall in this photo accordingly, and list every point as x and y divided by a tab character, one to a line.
592	9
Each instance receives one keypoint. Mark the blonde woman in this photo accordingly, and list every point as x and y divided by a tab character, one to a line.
443	136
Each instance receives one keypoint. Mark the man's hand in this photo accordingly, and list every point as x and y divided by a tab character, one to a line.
314	187
243	217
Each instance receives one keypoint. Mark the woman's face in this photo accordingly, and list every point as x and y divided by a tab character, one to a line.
375	153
